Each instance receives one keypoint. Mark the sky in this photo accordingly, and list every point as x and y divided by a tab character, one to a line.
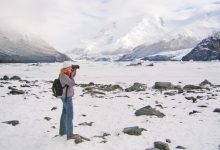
69	24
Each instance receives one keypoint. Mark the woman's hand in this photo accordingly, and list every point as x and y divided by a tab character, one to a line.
74	73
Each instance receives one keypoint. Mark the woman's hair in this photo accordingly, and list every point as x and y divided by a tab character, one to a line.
62	71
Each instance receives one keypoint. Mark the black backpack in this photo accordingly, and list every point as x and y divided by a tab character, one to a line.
57	88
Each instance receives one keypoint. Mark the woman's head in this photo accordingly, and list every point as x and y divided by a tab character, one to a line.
66	67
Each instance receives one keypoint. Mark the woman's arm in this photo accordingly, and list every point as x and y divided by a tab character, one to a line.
65	80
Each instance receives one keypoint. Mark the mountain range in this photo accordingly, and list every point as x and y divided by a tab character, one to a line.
18	48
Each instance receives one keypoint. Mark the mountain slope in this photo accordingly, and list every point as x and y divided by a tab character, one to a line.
16	48
181	42
208	49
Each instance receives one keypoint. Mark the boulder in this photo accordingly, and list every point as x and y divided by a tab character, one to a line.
15	78
191	87
133	130
16	92
163	86
161	145
216	110
205	82
149	111
12	122
5	77
180	147
136	87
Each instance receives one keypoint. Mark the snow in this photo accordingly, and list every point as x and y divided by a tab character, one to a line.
175	55
110	114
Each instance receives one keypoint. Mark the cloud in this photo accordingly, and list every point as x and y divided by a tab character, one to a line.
68	24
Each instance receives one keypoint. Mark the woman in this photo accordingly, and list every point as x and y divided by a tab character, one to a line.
67	81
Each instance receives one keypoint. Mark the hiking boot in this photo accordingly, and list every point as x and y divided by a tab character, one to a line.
74	136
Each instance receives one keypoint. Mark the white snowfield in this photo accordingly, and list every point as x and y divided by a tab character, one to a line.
114	112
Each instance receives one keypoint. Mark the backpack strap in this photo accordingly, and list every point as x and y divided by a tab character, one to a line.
66	89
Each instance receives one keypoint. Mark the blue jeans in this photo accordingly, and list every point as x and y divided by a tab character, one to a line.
66	120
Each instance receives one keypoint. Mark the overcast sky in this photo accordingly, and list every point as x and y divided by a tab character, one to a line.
66	24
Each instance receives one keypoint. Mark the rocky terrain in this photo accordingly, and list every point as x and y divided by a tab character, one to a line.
208	49
123	114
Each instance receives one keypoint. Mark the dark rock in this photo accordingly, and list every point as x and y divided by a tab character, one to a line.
86	124
216	110
205	82
151	64
47	118
149	111
103	136
163	86
16	92
191	98
170	93
202	106
12	88
15	78
208	49
168	140
12	122
180	147
54	108
78	140
133	130
152	149
137	87
5	77
135	64
25	85
161	145
191	87
193	112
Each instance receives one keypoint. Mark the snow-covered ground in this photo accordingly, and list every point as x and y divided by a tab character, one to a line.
115	111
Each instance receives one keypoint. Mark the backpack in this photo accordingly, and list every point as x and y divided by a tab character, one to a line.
57	88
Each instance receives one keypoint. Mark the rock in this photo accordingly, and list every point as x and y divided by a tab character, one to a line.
168	140
103	135
192	87
5	77
205	82
180	147
216	110
133	130
78	140
86	124
47	118
163	86
191	98
135	64
151	64
54	108
161	145
202	106
193	112
152	149
15	78
149	111
172	93
12	122
137	87
16	92
25	85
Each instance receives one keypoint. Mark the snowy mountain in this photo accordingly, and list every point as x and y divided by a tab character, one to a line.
168	56
18	48
181	42
123	36
208	49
